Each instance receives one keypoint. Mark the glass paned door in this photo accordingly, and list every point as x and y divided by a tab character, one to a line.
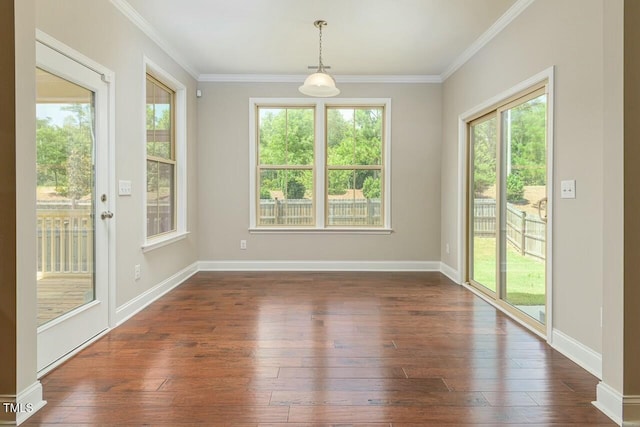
507	205
483	248
524	216
65	193
72	205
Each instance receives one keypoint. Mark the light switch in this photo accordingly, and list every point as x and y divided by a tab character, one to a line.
124	188
568	189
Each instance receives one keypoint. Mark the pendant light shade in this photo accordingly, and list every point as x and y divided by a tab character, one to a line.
319	84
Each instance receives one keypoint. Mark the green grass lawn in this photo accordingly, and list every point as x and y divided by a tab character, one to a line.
525	274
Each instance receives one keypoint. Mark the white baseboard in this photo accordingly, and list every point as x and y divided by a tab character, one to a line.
450	272
130	308
30	398
319	266
587	358
609	402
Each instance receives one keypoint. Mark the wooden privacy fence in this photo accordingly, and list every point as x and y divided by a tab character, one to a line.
526	232
65	241
300	212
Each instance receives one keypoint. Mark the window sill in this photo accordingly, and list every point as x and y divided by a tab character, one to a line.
284	230
159	242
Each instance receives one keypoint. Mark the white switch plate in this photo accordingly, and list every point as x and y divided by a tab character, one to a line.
568	189
124	188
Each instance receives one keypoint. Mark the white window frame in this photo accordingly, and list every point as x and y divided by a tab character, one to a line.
180	118
319	163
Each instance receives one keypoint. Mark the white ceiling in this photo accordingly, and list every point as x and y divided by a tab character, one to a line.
277	37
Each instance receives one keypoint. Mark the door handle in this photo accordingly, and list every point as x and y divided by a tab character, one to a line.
106	215
540	203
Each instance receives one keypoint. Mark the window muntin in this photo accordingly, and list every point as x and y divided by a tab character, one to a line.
354	166
161	158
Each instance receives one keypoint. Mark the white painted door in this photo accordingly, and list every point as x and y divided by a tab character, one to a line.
72	204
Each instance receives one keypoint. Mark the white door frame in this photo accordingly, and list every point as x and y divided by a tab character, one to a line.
106	169
463	179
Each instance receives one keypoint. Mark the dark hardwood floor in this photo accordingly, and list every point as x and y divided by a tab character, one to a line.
299	349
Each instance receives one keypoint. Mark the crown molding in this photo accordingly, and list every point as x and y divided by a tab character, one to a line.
129	12
509	16
299	78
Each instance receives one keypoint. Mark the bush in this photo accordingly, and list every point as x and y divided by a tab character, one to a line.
515	188
265	194
295	190
371	188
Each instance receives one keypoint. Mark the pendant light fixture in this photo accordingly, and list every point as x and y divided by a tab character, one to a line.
320	84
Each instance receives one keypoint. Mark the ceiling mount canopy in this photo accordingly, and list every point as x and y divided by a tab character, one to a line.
320	83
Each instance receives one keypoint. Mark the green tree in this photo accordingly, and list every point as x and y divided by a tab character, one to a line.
52	152
79	129
528	140
484	156
371	188
65	153
515	188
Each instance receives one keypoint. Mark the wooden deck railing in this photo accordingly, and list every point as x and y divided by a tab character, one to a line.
65	241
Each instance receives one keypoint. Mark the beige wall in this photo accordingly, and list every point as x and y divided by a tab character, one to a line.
97	30
569	36
223	176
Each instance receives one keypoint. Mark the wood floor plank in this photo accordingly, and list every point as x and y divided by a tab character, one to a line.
378	398
319	349
338	372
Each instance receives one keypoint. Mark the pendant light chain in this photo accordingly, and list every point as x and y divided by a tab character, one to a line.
320	65
320	23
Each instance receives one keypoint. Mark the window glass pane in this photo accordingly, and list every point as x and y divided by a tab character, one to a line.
286	197
166	197
152	198
483	204
159	121
523	222
160	197
368	129
286	136
64	195
354	136
355	198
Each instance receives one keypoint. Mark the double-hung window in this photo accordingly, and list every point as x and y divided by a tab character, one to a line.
165	158
161	159
320	165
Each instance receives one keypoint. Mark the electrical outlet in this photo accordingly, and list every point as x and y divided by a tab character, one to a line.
243	244
137	272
